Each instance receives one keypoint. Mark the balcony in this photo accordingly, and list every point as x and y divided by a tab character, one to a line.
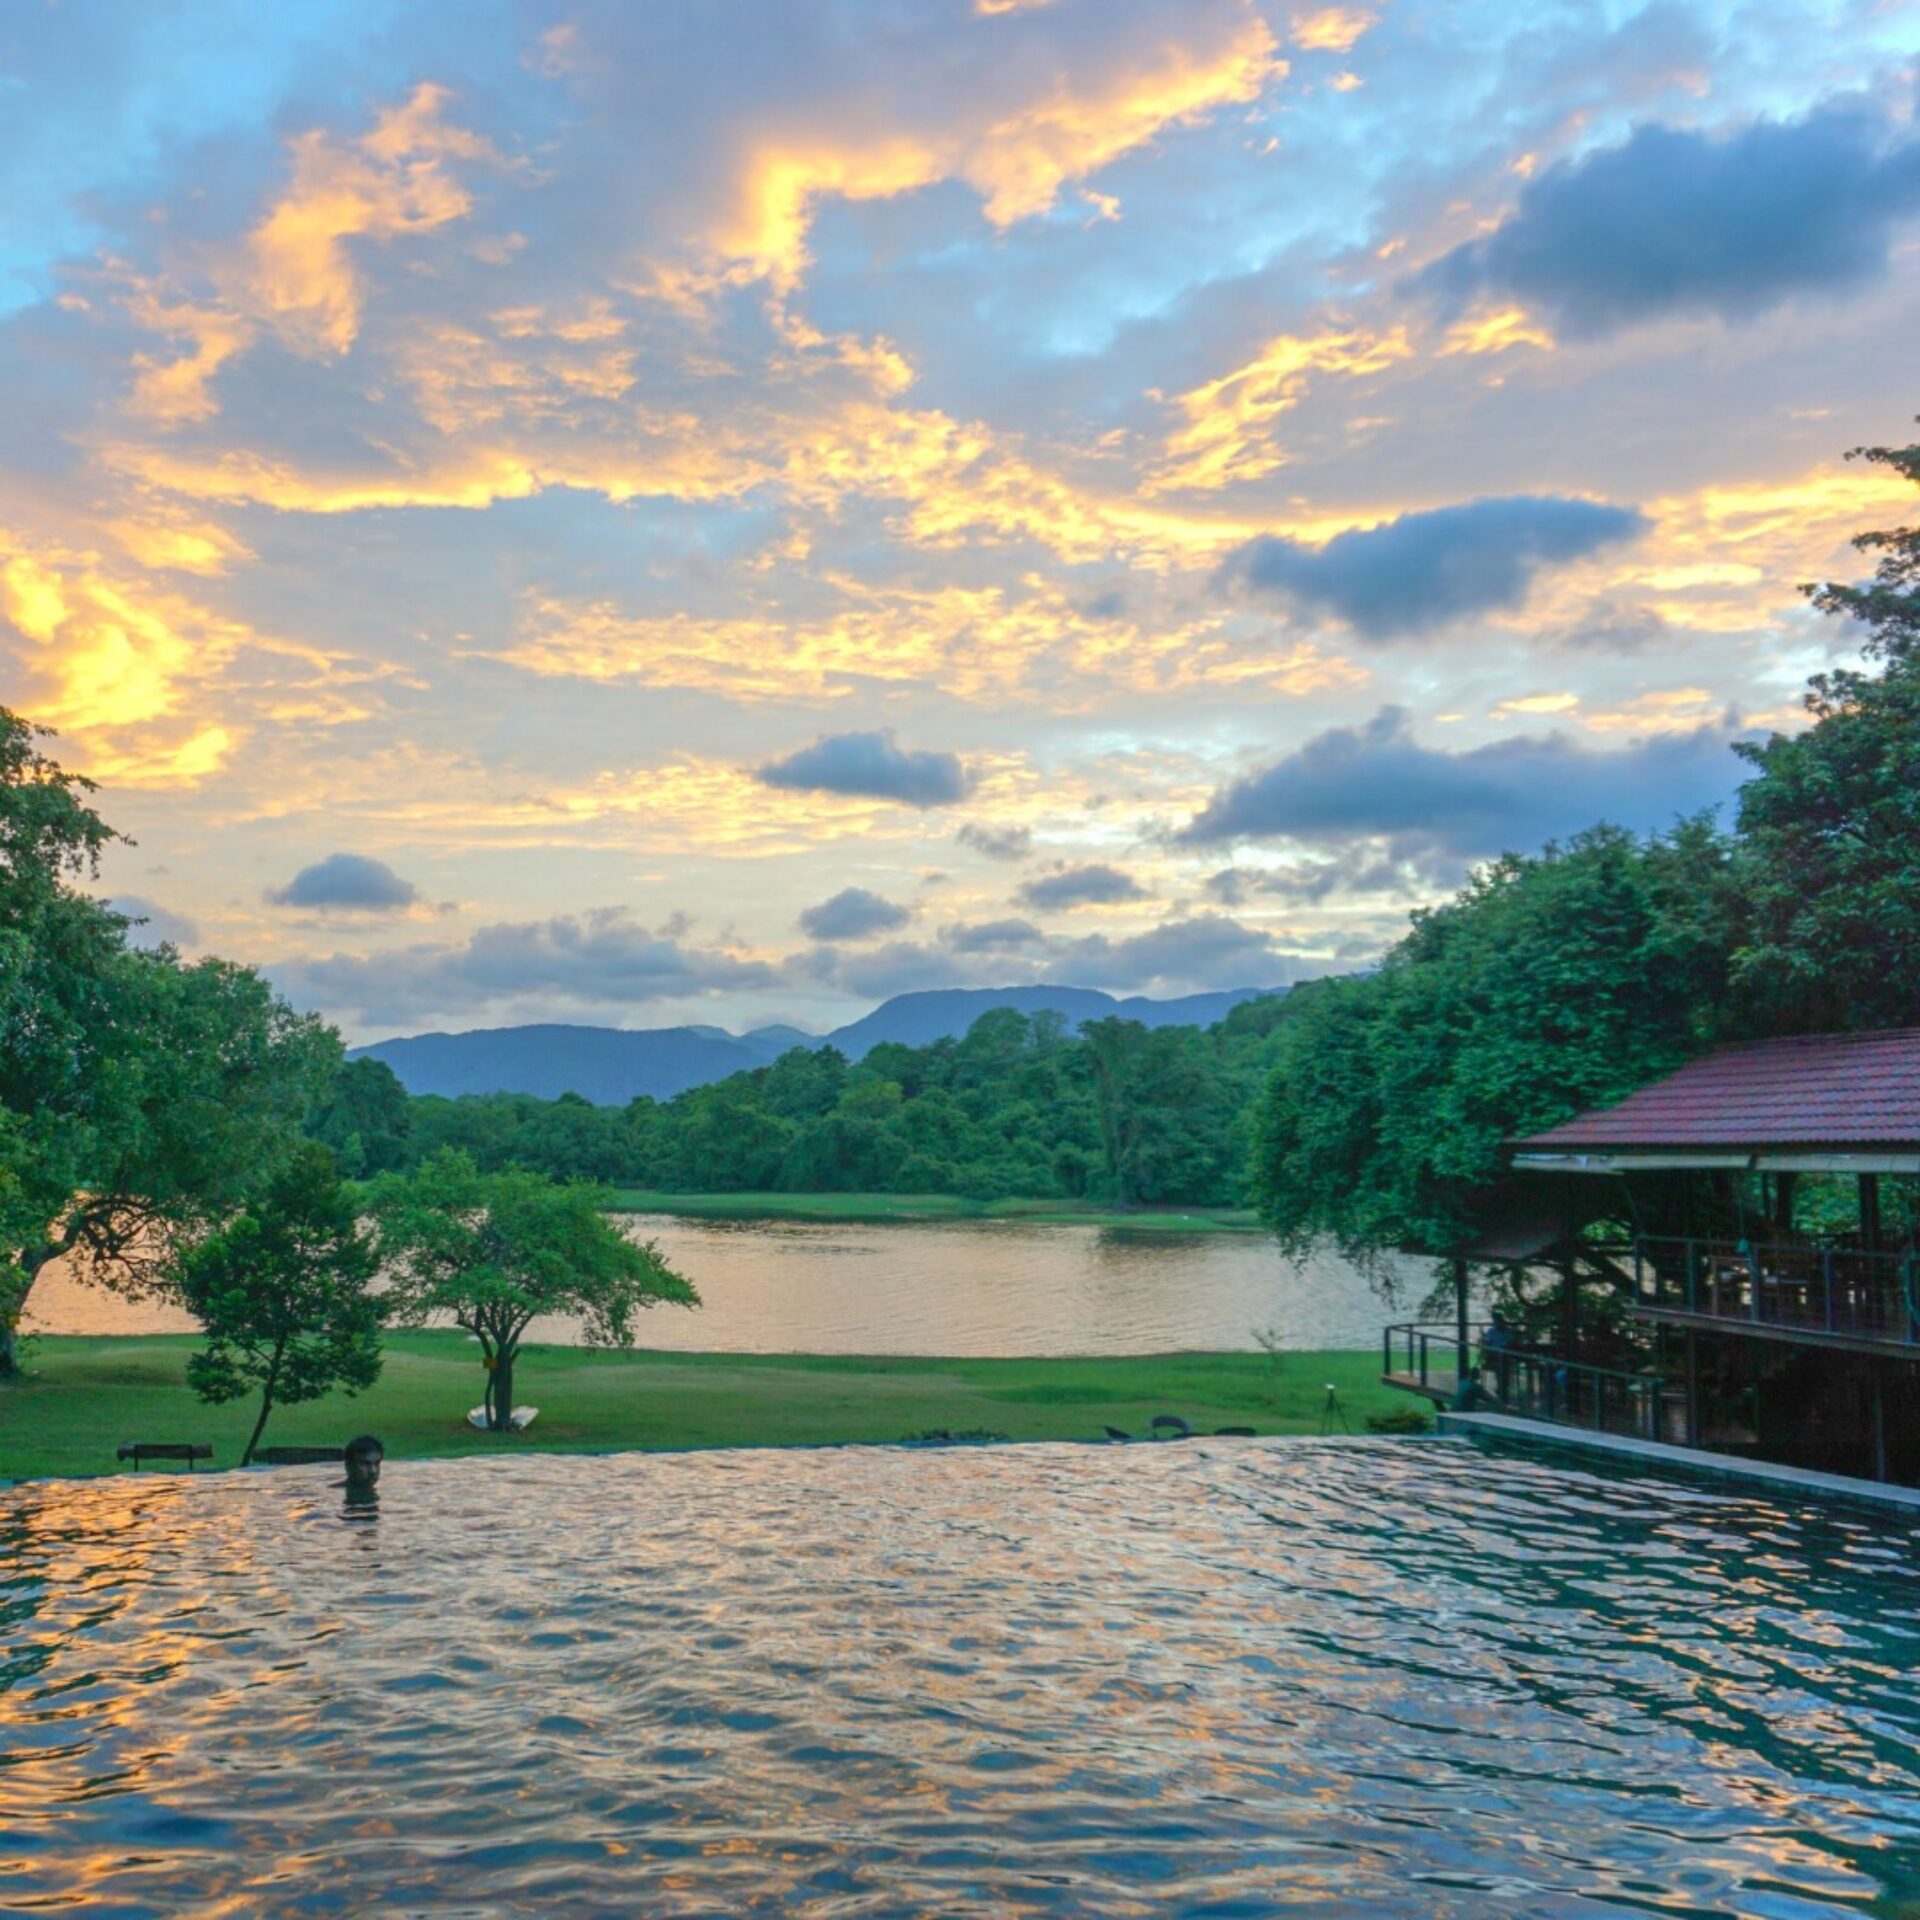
1833	1296
1424	1358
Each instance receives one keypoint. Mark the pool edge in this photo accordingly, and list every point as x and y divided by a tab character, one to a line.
1693	1460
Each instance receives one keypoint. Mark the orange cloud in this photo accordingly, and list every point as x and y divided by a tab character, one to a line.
1227	437
110	661
392	181
1017	159
1331	30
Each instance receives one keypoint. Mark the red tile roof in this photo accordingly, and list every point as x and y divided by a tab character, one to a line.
1817	1090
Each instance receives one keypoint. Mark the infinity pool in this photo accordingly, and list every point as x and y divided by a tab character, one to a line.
1218	1678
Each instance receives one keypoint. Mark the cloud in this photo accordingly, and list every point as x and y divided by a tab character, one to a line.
348	883
852	914
597	960
1378	782
1208	951
1678	221
993	936
158	927
1360	869
1424	570
1096	885
872	765
997	843
1205	952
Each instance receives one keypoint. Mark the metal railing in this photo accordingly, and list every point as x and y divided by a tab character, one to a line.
1797	1287
1423	1356
1426	1353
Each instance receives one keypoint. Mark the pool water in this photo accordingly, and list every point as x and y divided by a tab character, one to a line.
1214	1678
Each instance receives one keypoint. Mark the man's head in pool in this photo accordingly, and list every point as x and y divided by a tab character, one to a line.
363	1457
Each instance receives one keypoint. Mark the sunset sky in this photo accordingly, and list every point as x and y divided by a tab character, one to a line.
660	512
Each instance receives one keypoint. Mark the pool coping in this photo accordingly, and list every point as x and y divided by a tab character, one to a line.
1694	1460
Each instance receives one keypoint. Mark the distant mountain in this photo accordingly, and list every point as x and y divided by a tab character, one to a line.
607	1065
919	1019
610	1065
771	1042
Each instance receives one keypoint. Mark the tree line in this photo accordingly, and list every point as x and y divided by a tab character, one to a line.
1117	1114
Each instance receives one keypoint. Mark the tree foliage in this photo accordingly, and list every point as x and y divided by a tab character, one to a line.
283	1291
141	1097
1550	985
1830	825
1119	1114
493	1251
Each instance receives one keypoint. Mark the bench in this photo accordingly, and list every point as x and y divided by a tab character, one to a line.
141	1451
299	1456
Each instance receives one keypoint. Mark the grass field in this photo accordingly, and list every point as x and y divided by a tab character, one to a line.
883	1207
83	1397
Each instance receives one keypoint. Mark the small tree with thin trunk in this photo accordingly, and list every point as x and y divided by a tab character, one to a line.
284	1292
493	1251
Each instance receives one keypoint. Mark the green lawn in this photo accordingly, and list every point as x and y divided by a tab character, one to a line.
82	1397
927	1206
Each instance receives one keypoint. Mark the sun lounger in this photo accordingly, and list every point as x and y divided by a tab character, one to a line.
299	1456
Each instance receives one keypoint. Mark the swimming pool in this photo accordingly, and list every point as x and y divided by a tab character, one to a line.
1216	1678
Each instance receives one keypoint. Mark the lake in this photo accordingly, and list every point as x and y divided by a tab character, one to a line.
976	1288
1379	1678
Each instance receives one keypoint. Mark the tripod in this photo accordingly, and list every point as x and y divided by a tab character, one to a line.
1331	1410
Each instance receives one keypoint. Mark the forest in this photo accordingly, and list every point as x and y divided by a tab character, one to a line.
1117	1114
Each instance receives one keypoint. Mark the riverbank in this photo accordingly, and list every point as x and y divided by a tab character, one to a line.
928	1208
83	1397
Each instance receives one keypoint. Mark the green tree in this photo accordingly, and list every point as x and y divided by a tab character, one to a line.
1830	826
1550	985
141	1097
492	1251
364	1117
284	1293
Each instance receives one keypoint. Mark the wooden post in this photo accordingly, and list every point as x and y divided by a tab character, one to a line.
1693	1388
1462	1365
1870	1212
1569	1308
1879	1418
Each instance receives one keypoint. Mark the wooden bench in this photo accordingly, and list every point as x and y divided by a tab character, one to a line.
141	1451
299	1456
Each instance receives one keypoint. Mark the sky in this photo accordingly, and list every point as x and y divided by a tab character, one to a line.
721	513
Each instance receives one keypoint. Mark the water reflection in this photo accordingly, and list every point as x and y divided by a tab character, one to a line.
1227	1678
970	1287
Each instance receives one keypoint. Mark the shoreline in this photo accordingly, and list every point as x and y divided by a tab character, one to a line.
85	1394
930	1209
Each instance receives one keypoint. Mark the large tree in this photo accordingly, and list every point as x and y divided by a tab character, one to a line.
1830	826
283	1291
1549	985
494	1251
140	1097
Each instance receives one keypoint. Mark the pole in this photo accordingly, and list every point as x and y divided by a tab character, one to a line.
1461	1367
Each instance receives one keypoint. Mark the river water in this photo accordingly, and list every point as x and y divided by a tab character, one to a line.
1221	1678
963	1288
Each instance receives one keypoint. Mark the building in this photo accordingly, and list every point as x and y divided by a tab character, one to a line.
1758	1215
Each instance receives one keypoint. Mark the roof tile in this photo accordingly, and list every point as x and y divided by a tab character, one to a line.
1813	1090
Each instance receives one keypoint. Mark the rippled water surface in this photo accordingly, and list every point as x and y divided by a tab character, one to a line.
1212	1679
963	1287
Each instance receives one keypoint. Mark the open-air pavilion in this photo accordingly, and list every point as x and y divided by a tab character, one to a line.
1764	1210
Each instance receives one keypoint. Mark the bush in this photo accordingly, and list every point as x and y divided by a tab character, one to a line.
1400	1420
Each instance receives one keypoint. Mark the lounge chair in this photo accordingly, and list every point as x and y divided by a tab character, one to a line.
1169	1426
298	1456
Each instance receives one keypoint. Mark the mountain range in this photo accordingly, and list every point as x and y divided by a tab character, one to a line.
610	1065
